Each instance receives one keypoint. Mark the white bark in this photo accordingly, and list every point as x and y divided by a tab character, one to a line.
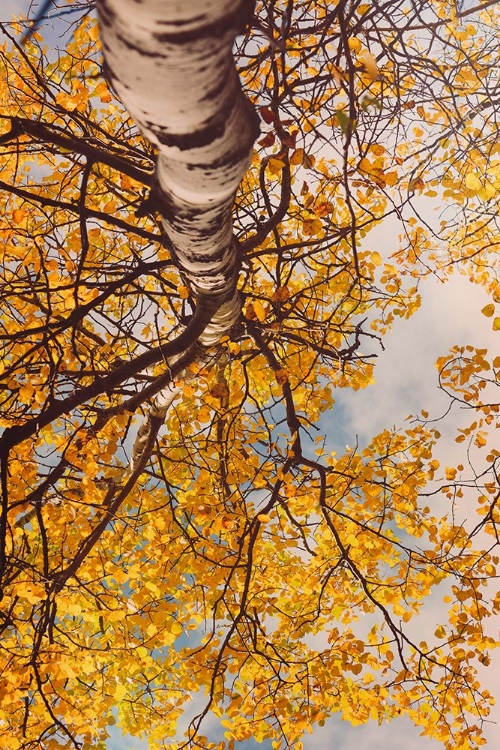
171	64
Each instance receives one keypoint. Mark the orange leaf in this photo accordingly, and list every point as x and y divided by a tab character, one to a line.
297	158
275	165
281	376
281	294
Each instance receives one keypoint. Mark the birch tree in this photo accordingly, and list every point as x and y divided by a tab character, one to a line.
172	66
180	305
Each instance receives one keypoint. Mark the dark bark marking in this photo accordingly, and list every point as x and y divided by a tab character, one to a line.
186	141
237	20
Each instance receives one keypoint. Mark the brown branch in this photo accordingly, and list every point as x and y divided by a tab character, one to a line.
436	24
74	208
291	416
53	134
207	306
74	318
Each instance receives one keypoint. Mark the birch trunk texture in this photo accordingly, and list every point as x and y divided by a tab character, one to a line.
171	64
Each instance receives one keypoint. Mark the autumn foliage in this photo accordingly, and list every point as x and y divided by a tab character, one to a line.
243	563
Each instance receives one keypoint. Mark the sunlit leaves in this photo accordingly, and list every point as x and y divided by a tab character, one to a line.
249	565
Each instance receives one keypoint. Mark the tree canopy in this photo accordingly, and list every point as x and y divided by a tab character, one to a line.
182	297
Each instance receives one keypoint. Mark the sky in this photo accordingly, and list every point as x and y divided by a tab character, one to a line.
406	383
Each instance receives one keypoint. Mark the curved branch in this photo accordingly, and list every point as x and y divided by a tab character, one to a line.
53	134
204	313
74	208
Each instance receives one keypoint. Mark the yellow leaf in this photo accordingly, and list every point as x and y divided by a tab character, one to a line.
120	692
94	33
365	165
30	591
183	291
116	615
488	310
486	192
66	669
376	258
26	393
391	178
259	310
175	627
203	415
263	518
450	473
67	101
473	182
496	324
370	62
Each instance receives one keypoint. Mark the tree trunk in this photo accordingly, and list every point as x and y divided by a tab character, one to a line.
171	64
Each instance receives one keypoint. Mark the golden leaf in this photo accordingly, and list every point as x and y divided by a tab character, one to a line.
472	181
275	165
370	62
259	310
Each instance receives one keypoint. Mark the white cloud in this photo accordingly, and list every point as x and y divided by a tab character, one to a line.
405	373
406	382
